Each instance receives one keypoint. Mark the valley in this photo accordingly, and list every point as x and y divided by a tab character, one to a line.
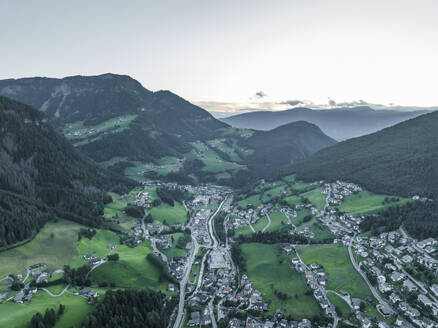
227	227
288	251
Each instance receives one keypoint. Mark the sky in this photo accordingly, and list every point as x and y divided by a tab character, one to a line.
229	55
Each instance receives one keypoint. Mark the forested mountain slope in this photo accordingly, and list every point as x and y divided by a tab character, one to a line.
114	116
284	145
38	162
339	123
399	160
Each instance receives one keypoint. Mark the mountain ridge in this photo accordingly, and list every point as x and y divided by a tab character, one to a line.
338	123
397	160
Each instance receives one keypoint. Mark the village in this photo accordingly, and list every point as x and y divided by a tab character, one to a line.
211	288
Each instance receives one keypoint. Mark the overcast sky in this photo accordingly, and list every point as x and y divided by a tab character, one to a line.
382	51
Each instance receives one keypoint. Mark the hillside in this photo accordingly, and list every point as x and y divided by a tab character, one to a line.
339	123
113	117
284	145
398	160
39	163
117	122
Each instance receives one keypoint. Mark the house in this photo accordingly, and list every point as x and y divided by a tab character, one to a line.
409	285
355	303
427	242
434	289
425	300
397	276
394	298
364	319
87	292
195	319
403	323
407	259
18	298
43	277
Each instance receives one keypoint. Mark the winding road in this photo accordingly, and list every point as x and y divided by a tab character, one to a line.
268	224
56	295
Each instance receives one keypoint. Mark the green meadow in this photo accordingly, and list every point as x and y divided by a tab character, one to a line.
366	202
170	214
337	264
270	270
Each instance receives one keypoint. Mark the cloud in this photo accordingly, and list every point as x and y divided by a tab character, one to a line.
353	103
292	102
331	102
260	95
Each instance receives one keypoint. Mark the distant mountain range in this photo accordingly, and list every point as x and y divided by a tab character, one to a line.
339	123
399	160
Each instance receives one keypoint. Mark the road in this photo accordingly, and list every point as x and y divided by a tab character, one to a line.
156	250
400	267
357	268
55	295
332	309
183	283
269	222
9	278
201	273
210	225
210	310
345	298
189	264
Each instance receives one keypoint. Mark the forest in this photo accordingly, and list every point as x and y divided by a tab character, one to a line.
419	219
131	309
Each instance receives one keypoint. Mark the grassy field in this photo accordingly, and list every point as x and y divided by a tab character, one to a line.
213	162
258	226
337	264
298	221
132	269
293	200
272	193
299	185
366	202
170	214
54	245
173	251
78	132
340	305
13	315
225	148
270	271
316	197
251	200
289	178
276	219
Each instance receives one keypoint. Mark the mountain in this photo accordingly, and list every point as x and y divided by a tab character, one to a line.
113	116
40	164
117	122
339	123
284	145
400	160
